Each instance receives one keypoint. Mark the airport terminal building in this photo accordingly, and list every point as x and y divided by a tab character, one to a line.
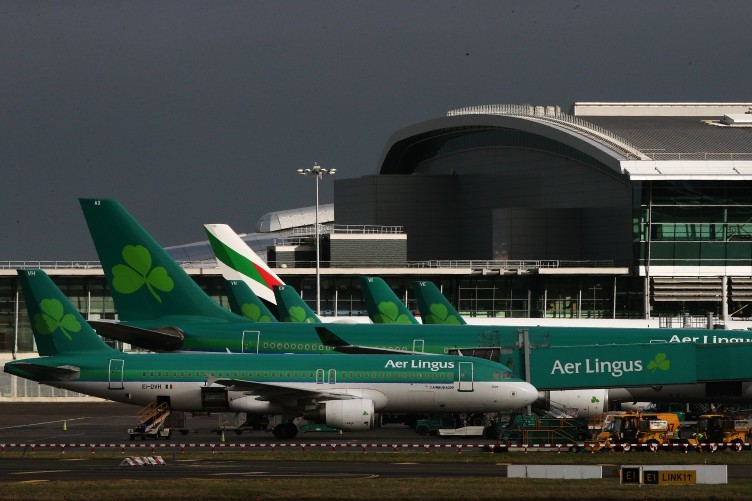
606	211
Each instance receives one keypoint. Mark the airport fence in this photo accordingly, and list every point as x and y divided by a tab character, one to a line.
361	447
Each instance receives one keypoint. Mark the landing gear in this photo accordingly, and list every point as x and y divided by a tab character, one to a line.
285	430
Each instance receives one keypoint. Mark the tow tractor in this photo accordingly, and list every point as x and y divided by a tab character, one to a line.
715	429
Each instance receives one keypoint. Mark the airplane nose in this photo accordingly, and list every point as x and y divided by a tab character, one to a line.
525	394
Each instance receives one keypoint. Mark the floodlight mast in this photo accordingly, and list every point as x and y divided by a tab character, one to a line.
318	172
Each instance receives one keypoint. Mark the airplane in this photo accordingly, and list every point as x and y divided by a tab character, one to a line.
244	302
156	299
434	307
343	392
383	305
162	308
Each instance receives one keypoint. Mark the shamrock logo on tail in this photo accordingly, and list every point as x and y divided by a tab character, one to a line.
390	314
660	361
137	272
53	317
253	312
440	315
298	315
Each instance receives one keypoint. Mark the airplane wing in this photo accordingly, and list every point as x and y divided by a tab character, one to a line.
160	339
276	391
328	338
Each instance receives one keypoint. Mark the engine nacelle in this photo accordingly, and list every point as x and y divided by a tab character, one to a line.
356	414
586	403
252	405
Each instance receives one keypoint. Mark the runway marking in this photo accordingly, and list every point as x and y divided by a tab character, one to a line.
43	423
32	481
294	475
38	471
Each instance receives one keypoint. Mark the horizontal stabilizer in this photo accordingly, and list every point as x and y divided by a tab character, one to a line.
328	338
45	371
160	339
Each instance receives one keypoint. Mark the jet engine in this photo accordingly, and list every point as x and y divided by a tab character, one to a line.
355	414
252	405
580	403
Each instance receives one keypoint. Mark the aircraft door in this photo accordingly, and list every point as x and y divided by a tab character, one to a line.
419	345
250	342
319	376
332	376
116	374
465	377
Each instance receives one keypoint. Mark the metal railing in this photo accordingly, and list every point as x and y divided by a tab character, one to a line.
354	229
474	264
48	265
698	155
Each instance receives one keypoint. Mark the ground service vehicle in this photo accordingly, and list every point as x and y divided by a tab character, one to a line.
722	429
532	430
653	429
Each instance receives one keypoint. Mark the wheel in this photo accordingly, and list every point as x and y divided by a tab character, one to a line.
285	430
422	430
737	445
132	436
653	445
238	431
184	432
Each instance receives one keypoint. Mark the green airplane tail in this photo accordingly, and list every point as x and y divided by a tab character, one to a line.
291	306
57	326
245	303
383	305
434	307
145	282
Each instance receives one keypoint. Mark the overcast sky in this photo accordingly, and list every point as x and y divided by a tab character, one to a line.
193	112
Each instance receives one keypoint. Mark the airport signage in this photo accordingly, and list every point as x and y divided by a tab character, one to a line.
609	366
640	475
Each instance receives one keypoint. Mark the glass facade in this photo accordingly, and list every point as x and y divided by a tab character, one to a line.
687	227
694	223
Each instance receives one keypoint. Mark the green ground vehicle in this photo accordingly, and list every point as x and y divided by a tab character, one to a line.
434	422
533	430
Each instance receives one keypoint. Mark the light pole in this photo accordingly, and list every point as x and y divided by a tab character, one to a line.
318	172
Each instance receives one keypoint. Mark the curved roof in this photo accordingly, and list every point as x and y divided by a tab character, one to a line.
541	128
286	219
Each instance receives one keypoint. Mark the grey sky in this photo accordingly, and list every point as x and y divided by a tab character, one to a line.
191	112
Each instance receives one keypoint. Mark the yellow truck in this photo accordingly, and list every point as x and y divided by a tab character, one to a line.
715	429
627	429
